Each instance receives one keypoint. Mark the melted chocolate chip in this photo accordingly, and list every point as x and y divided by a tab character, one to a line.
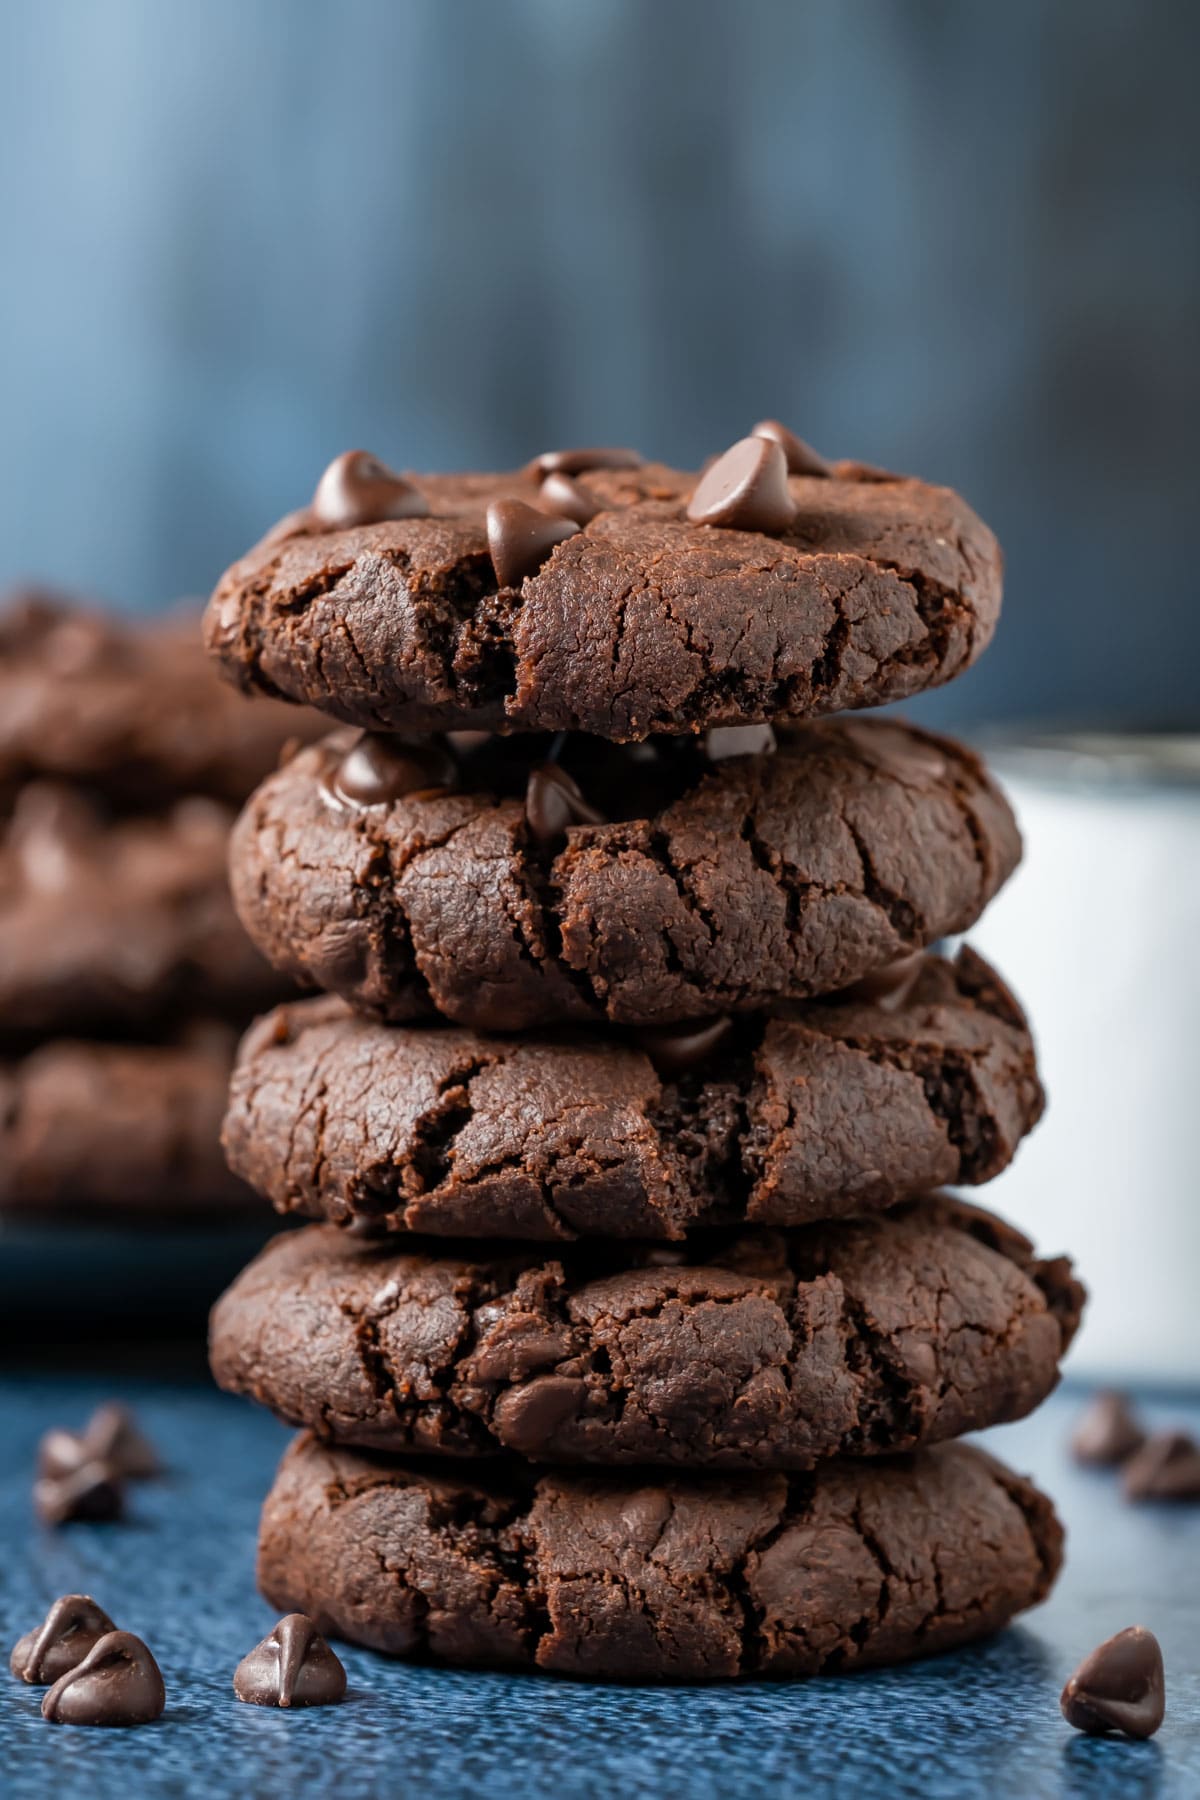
293	1666
560	495
802	459
520	538
1119	1687
723	741
682	1049
65	1636
1166	1467
357	489
1108	1432
887	988
577	462
380	769
526	1417
896	750
745	490
553	801
91	1491
117	1683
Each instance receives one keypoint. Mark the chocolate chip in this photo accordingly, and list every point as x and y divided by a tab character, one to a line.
746	489
723	741
357	489
576	462
887	988
553	801
802	459
1108	1433
117	1683
680	1049
1119	1687
526	1418
65	1636
559	494
91	1491
520	539
111	1436
897	749
1166	1467
379	769
293	1666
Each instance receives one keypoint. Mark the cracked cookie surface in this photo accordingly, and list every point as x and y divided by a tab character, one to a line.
712	886
752	1350
823	1110
636	1579
94	1128
640	622
119	924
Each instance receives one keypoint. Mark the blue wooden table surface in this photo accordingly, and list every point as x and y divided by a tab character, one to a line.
985	1722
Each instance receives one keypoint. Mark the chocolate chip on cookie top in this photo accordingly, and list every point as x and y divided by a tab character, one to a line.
593	591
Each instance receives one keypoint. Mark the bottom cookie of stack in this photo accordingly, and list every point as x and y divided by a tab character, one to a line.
657	1578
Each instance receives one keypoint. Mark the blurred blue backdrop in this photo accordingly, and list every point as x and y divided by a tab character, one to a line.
944	235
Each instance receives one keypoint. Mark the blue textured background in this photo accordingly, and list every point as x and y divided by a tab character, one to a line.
981	1723
945	235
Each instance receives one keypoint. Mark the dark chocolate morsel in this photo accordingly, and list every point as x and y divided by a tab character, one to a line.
680	1049
520	539
1166	1467
527	1417
896	749
61	1641
724	741
111	1436
560	494
577	462
292	1666
1119	1687
888	987
746	489
1108	1432
91	1490
380	768
802	459
117	1683
553	801
357	489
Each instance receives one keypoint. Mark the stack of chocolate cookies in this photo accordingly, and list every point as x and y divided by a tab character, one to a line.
636	1333
124	974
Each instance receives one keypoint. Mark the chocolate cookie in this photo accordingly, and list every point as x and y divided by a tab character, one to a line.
627	1578
827	1109
117	1128
433	602
750	1350
131	708
413	878
119	925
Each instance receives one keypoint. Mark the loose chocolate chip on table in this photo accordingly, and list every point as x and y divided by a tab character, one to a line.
357	489
746	489
520	539
1108	1433
553	801
111	1436
381	768
576	462
560	494
1166	1467
724	741
802	459
91	1491
65	1636
293	1666
117	1683
680	1049
1119	1687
